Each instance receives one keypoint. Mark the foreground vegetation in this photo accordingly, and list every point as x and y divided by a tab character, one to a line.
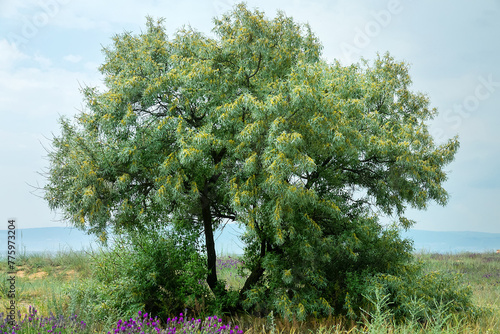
50	284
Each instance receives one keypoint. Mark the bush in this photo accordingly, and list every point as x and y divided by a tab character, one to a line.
384	262
411	295
157	271
420	296
90	299
298	284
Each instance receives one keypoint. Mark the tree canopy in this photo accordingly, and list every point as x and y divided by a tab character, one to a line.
252	126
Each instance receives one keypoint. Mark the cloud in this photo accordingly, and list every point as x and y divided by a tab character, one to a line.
37	88
12	9
9	54
73	58
42	61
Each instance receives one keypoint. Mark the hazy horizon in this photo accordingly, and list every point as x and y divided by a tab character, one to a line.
53	239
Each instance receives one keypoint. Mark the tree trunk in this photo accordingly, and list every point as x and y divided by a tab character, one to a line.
256	273
251	280
209	240
207	218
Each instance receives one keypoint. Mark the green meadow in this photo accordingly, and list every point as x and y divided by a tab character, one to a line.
45	282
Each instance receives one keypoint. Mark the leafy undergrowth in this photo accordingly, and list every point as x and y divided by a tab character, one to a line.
41	280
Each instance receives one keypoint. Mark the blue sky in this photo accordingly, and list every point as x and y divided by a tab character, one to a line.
51	48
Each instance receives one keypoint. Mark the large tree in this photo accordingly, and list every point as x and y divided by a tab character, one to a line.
253	126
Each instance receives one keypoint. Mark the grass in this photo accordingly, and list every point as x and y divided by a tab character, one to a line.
41	281
481	271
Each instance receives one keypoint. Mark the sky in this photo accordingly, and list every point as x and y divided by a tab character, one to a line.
50	49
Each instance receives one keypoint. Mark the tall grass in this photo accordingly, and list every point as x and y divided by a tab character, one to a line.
42	279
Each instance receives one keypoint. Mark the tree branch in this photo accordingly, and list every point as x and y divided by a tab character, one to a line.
255	72
258	67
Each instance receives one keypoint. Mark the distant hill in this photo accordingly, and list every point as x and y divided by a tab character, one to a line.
48	239
453	242
53	239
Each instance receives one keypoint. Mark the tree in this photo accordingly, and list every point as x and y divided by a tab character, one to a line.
252	126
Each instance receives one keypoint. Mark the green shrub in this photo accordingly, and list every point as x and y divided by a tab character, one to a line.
345	272
91	300
412	296
420	296
160	272
298	284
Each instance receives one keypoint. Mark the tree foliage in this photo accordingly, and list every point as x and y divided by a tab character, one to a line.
253	126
